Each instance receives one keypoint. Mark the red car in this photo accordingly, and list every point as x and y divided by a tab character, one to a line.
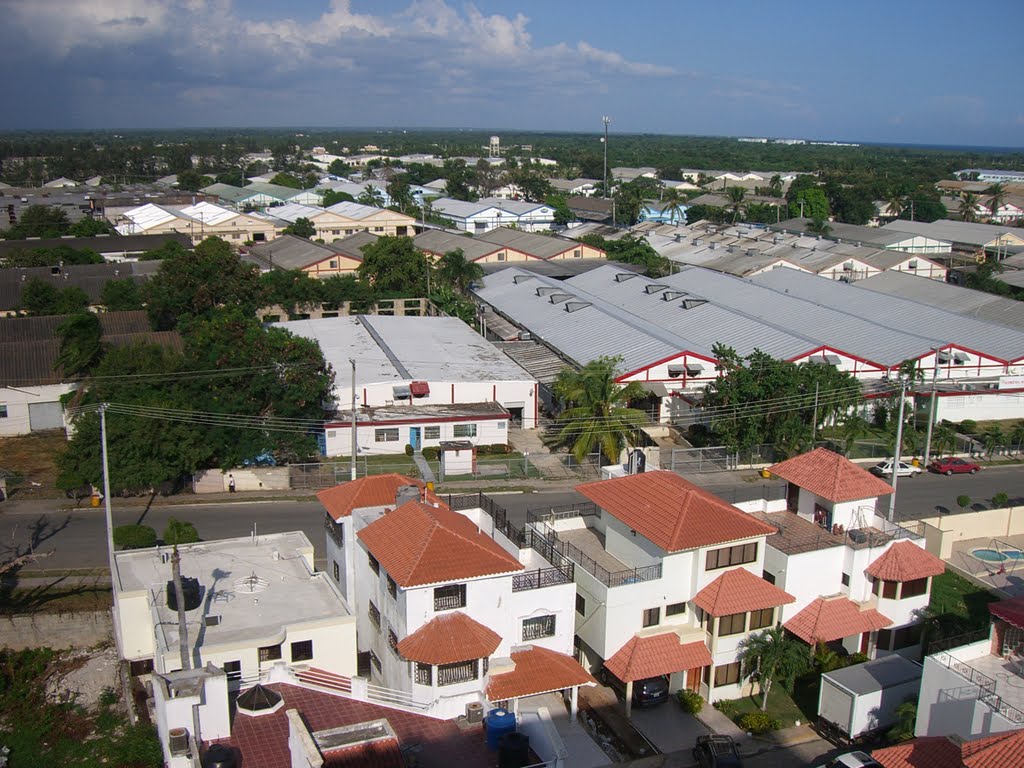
953	466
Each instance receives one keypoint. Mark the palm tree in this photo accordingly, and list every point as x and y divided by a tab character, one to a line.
998	197
968	206
943	438
1016	436
819	227
672	200
597	410
992	439
371	195
773	657
896	204
775	186
736	196
457	270
855	427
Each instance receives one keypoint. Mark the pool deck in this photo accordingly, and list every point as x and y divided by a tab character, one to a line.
1007	576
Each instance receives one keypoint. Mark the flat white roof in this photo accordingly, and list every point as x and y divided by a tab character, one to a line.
254	592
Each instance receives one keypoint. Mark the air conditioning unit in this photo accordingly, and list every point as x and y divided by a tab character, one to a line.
525	336
177	741
474	712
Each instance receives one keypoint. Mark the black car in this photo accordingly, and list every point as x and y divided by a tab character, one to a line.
646	693
714	751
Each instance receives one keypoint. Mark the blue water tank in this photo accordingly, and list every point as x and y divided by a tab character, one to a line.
497	723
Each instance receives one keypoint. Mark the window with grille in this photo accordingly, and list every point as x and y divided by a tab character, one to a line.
374	565
450	597
392	640
460	672
337	571
675	609
538	627
270	653
302	650
738	555
374	615
424	674
652	617
914	588
392	588
385	435
464	430
731	625
375	660
727	674
431	433
762	619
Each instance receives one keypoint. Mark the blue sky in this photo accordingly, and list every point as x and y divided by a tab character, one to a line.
911	71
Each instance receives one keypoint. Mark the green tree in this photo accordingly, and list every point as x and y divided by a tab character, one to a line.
943	438
194	284
963	501
121	295
458	271
673	202
80	346
532	185
458	180
333	198
819	227
997	197
400	192
1016	436
394	265
906	721
855	427
301	227
968	206
339	168
815	204
39	297
712	213
597	412
39	221
993	439
736	197
90	227
772	657
631	250
371	195
486	177
563	214
179	532
192	181
287	180
291	289
169	250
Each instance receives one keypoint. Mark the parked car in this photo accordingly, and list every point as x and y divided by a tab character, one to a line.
854	760
646	693
953	466
884	469
716	751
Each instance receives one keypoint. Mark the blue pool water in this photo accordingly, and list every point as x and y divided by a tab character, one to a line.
994	556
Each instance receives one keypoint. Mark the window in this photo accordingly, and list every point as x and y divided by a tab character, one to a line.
675	609
374	613
337	571
738	555
905	637
727	674
385	435
762	618
578	253
581	605
374	565
378	229
333	262
3	410
460	672
769	577
233	669
270	653
450	597
302	650
501	256
392	588
424	674
375	660
652	617
431	433
914	588
332	433
889	589
732	624
392	640
464	430
540	626
845	579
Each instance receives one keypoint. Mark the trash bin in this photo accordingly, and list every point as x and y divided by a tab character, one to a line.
766	474
95	500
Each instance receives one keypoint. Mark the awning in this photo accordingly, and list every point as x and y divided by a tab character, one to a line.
654	655
1010	611
401	391
419	388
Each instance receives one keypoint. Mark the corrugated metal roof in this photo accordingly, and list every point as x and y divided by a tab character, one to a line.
355	211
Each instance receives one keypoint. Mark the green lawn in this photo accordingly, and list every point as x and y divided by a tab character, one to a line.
960	605
781	706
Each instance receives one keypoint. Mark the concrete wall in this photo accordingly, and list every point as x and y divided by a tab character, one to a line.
55	630
948	704
246	479
17	401
979	407
942	532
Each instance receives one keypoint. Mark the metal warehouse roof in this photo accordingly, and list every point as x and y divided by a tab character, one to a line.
440	242
939	326
355	211
538	246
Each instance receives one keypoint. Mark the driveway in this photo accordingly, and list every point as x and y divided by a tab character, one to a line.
583	751
667	727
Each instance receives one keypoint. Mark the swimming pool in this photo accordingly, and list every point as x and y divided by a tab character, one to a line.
995	556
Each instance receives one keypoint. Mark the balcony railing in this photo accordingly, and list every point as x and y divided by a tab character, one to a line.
562	512
333	530
591	566
538	579
986	687
945	643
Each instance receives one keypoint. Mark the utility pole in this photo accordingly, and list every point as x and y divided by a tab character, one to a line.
814	422
106	490
899	445
606	120
354	442
931	407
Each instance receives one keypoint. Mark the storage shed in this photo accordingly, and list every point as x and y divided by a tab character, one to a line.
863	698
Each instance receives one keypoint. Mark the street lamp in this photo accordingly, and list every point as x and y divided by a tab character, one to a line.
605	119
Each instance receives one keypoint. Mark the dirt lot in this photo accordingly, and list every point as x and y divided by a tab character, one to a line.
33	458
83	675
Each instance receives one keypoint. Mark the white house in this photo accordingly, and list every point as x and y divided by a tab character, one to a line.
529	217
251	603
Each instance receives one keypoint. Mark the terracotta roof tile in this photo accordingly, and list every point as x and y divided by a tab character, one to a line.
538	670
672	512
905	561
369	491
927	752
654	655
739	591
833	618
421	544
449	638
830	476
382	753
999	750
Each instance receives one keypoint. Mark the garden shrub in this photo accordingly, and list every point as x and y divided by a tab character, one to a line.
134	537
691	701
758	722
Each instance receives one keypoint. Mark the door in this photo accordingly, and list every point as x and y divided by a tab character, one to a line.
693	679
45	416
792	497
414	438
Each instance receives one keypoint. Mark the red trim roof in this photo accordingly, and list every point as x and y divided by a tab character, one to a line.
449	638
739	591
927	752
370	491
420	544
905	561
833	618
996	751
538	670
831	476
1011	611
654	655
672	512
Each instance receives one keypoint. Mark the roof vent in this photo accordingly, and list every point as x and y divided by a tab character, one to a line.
691	303
752	252
522	278
698	241
654	288
672	295
575	306
546	291
558	298
624	276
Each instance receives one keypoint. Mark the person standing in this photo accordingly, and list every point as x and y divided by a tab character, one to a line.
231	483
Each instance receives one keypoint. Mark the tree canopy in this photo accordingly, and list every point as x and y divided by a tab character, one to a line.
394	264
38	221
301	227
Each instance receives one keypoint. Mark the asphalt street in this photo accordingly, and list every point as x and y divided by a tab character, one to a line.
78	536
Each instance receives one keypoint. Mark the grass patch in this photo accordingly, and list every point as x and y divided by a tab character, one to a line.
781	707
959	605
49	599
33	458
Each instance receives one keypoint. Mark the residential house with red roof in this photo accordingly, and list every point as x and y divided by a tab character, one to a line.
1001	750
668	581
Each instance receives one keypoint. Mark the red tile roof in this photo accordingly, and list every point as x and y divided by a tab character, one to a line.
369	491
831	476
382	753
833	618
654	655
420	544
538	670
449	638
905	561
739	591
999	750
1011	610
672	512
927	752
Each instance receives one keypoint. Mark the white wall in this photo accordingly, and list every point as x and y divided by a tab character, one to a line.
18	400
134	625
339	439
806	576
956	408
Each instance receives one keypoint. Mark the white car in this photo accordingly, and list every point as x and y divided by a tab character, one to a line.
884	469
854	760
